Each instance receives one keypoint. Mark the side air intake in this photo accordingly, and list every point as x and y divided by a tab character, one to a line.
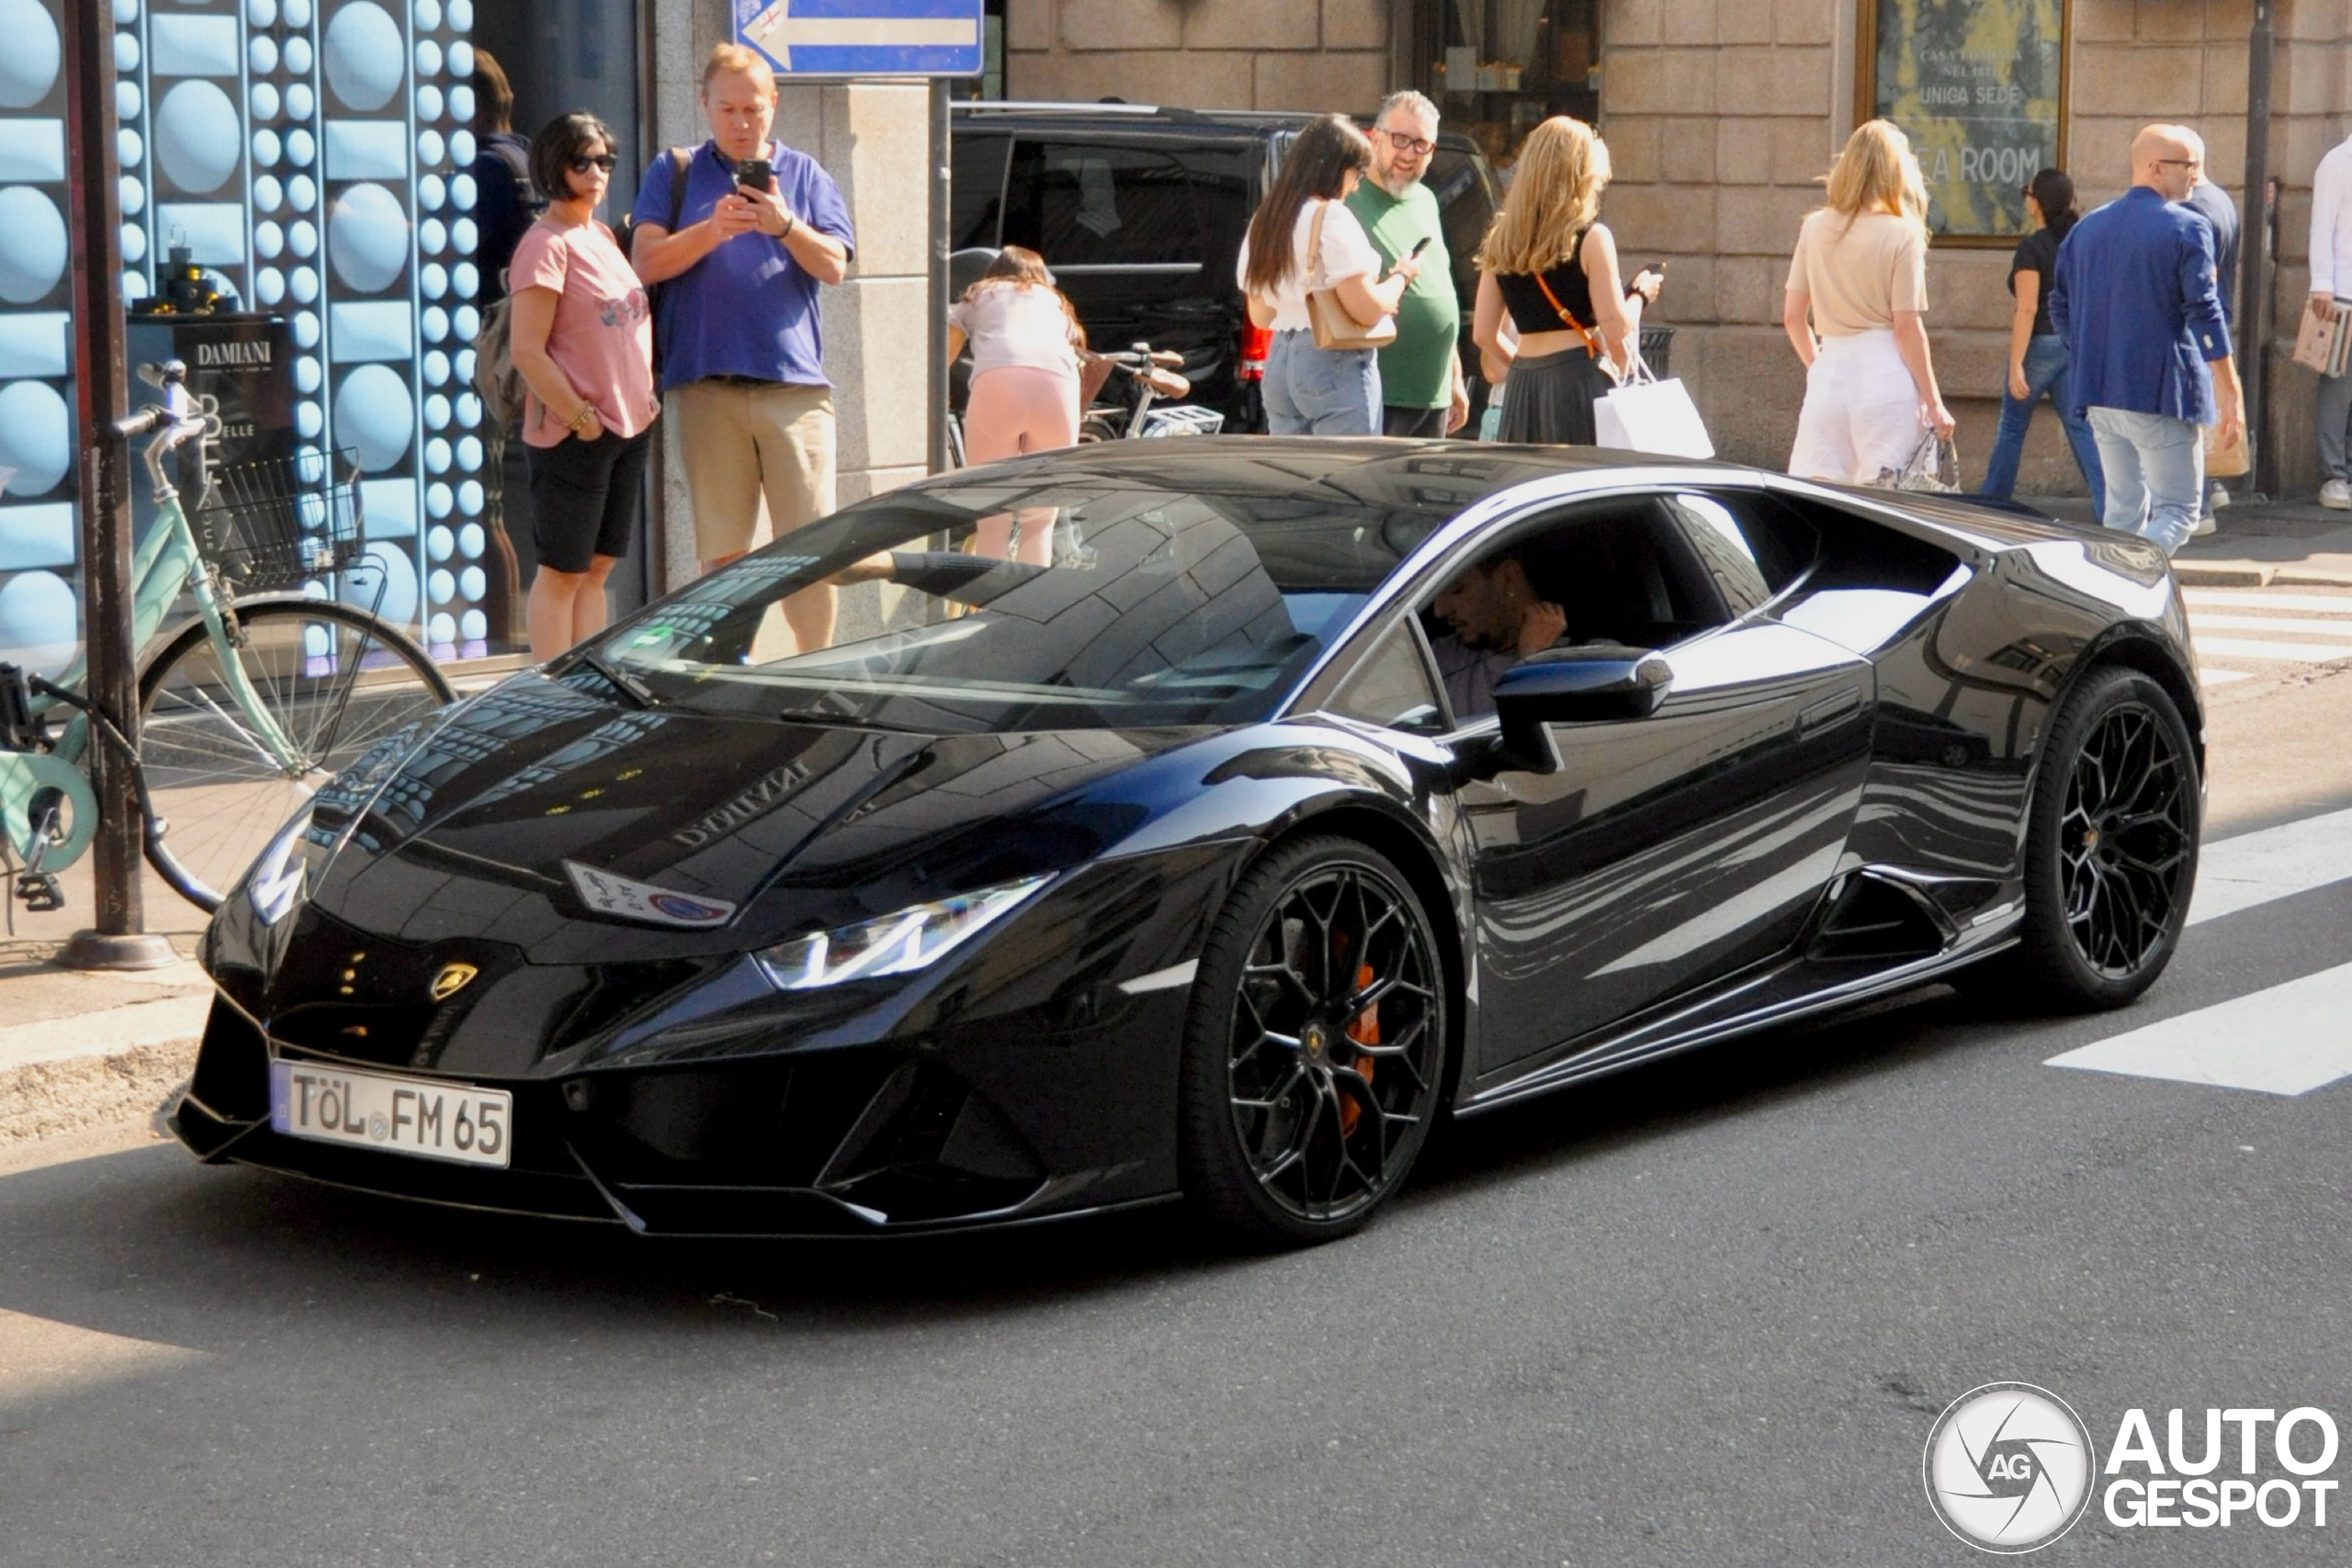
1875	918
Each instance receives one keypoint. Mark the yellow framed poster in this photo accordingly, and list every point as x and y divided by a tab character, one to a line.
1980	87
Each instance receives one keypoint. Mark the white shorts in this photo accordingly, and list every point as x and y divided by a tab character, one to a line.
1861	412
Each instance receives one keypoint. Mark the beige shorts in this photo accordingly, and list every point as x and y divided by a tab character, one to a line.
742	441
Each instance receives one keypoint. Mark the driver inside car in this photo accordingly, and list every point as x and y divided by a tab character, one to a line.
1497	618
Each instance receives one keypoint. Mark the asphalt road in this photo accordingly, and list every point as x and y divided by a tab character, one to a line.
1704	1313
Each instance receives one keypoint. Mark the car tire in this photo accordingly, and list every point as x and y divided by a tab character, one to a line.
1315	1050
2111	841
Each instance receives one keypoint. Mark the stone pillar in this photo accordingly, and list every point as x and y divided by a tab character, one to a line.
875	140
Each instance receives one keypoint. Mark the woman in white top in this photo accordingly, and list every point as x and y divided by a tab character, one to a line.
1311	390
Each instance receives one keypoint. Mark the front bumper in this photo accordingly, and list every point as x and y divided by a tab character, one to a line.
950	1131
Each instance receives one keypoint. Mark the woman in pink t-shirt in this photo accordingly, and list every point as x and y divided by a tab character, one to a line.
583	338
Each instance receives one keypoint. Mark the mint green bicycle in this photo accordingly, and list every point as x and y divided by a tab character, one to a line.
247	705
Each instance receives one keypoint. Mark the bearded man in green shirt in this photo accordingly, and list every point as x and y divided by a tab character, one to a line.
1420	373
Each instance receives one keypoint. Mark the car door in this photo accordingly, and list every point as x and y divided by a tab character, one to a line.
1667	850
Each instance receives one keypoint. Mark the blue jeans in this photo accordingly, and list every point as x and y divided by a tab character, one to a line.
2155	474
2046	371
1321	392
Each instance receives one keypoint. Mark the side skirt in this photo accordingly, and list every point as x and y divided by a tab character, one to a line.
1779	992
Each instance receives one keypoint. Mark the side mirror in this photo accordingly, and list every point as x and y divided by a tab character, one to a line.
1593	684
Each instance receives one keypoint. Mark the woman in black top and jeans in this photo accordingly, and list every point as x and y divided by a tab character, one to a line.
2038	359
1553	270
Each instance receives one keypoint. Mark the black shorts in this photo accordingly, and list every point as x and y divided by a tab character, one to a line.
584	496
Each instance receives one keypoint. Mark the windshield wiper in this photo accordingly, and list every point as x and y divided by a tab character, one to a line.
622	681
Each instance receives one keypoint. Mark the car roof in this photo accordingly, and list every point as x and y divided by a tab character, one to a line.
1440	478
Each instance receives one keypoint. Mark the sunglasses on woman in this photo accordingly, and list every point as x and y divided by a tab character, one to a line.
604	161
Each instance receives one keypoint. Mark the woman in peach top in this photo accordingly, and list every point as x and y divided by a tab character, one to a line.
1854	309
583	338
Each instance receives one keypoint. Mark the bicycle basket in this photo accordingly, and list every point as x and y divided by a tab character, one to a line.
272	524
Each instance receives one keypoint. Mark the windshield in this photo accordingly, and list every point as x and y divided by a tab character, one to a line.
998	606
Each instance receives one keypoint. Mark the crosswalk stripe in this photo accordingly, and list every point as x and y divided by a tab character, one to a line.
2252	648
2223	677
2287	1040
2198	623
2264	599
2238	873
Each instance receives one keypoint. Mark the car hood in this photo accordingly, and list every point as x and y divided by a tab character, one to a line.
575	830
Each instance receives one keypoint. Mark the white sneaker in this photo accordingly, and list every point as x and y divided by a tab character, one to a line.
2217	497
2205	524
2337	495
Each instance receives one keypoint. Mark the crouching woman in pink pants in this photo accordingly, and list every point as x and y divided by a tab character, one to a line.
1025	340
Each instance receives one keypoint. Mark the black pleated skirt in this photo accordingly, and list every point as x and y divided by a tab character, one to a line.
1549	399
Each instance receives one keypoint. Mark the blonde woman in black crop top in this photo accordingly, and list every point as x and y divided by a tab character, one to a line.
1550	269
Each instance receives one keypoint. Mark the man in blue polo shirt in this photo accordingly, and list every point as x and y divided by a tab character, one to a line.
2134	298
743	356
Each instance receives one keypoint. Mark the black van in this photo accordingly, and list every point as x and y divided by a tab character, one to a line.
1140	210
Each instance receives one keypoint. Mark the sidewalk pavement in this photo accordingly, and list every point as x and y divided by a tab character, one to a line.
81	1047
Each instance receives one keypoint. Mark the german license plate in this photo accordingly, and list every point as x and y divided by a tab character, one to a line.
404	1116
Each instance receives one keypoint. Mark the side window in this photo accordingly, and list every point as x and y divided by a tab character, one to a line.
1749	545
1082	205
1393	687
1619	574
976	193
1609	571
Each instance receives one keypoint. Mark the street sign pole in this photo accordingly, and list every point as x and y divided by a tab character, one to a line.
935	381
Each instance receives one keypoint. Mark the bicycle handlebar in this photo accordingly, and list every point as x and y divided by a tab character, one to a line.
175	422
140	423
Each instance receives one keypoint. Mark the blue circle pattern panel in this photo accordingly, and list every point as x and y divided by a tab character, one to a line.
38	542
313	154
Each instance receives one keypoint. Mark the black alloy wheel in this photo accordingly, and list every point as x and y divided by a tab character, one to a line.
2111	843
1316	1050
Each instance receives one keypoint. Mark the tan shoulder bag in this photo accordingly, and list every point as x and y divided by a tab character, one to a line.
1334	328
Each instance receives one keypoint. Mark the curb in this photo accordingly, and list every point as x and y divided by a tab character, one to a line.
2194	575
2233	574
63	1075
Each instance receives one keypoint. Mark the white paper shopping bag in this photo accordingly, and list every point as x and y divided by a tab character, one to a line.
1649	415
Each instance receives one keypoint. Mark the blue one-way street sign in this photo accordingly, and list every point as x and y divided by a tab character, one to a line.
864	38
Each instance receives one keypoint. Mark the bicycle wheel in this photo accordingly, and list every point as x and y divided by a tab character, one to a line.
334	679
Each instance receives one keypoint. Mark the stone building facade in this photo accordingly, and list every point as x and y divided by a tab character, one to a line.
1722	115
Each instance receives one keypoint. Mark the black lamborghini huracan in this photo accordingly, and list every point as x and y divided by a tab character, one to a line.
1200	818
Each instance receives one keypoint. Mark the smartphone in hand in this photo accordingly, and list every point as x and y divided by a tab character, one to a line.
1420	245
755	174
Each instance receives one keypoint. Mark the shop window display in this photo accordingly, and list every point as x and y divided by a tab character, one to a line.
1498	67
316	158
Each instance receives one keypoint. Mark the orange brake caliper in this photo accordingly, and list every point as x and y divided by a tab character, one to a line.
1364	1031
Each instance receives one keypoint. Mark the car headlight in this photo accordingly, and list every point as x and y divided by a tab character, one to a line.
895	944
274	885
